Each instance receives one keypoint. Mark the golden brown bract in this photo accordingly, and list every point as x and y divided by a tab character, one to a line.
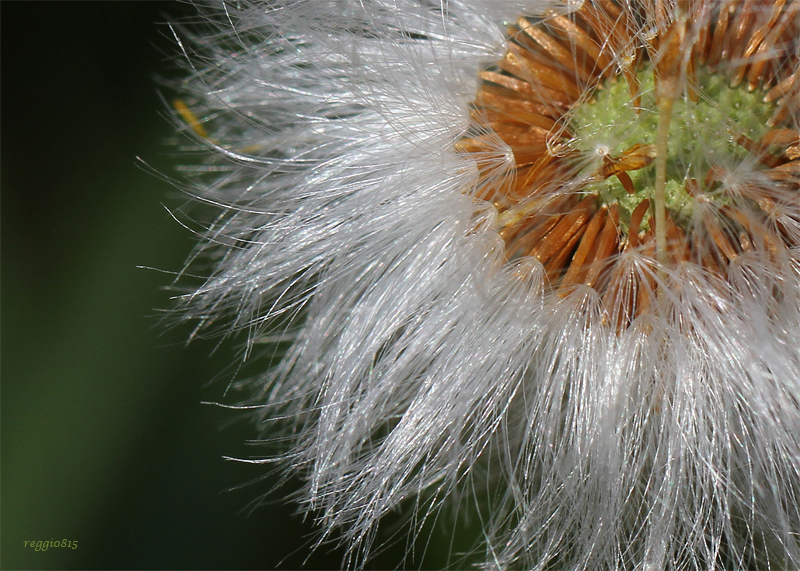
546	205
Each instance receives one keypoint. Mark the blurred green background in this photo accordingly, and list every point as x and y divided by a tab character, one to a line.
104	437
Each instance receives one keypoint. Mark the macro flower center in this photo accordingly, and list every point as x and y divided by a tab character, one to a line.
617	144
613	132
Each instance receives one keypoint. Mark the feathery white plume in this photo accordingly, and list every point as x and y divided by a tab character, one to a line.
644	416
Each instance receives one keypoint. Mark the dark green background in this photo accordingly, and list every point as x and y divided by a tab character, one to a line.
104	437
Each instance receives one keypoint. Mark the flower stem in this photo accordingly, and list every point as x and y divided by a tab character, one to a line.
659	197
669	84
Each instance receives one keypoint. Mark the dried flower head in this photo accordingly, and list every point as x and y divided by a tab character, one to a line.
550	252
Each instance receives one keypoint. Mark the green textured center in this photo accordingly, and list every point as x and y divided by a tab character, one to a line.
702	135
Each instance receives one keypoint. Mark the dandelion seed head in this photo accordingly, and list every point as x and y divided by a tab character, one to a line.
539	258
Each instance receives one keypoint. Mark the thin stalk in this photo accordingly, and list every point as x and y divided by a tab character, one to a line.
659	197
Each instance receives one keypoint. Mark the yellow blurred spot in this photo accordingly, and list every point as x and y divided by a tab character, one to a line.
189	117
